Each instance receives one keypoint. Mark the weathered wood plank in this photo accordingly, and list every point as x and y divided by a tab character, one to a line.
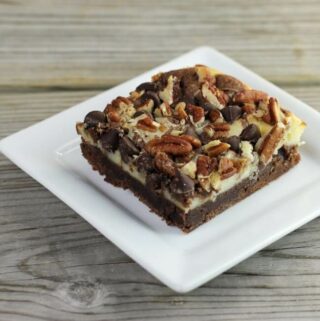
99	43
55	266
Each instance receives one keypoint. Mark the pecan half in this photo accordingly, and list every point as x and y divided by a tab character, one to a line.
250	95
270	143
147	124
205	165
226	168
214	115
226	82
170	144
196	112
164	164
273	115
218	149
220	130
112	114
194	141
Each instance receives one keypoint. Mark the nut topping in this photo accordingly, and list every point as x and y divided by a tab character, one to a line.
270	143
164	164
180	111
250	95
226	168
205	165
196	112
216	148
194	141
147	124
170	144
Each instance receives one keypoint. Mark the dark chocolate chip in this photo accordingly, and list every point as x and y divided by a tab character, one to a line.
145	163
153	181
95	117
182	184
147	86
151	95
110	139
190	130
127	149
234	142
251	133
231	113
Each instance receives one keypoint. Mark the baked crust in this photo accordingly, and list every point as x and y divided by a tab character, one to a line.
167	210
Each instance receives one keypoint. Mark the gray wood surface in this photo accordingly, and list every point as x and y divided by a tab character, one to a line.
53	54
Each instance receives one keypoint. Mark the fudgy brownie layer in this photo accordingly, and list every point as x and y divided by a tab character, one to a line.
173	215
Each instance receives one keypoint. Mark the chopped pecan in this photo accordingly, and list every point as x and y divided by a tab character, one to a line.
147	124
194	141
221	127
270	143
170	144
112	114
214	115
249	108
226	168
180	111
218	149
250	95
273	114
165	109
220	130
164	164
205	165
196	112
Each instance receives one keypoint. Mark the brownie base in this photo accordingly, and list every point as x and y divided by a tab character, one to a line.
167	210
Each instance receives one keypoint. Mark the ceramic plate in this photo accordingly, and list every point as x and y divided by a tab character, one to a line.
49	152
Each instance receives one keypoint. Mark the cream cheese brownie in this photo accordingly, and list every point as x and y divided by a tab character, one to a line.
191	143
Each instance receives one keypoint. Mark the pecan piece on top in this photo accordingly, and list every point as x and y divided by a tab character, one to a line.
217	149
164	164
273	115
194	141
270	143
169	144
205	165
250	95
197	112
226	168
147	124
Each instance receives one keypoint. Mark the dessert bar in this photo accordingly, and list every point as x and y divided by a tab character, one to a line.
191	143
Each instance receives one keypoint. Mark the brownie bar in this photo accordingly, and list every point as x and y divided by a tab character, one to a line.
191	143
167	210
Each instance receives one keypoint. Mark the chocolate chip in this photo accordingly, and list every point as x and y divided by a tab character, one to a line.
231	113
153	181
145	163
251	133
147	86
151	95
182	184
234	142
110	139
190	130
94	117
127	149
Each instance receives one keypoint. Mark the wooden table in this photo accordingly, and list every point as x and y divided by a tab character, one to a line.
53	54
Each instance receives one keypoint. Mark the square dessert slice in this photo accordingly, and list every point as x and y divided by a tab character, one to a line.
191	143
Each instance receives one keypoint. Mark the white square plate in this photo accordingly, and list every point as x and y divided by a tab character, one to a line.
49	152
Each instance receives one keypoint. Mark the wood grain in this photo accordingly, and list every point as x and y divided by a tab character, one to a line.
53	54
